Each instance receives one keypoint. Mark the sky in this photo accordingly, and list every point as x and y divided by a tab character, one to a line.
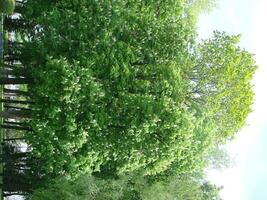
247	180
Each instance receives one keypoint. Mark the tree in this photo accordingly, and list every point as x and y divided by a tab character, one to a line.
123	87
180	189
7	6
221	82
85	187
196	7
130	187
116	99
210	191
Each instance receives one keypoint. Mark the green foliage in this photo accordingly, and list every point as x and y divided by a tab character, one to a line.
184	189
127	187
210	191
197	7
109	91
7	6
122	86
84	188
194	8
221	82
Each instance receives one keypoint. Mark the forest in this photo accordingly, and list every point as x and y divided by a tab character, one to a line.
116	99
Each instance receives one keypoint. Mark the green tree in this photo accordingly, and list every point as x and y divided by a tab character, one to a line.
84	188
7	6
221	82
180	189
130	187
210	191
122	86
109	92
196	7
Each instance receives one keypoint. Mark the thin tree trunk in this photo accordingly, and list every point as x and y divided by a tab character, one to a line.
19	128
15	92
16	108
13	72
14	114
13	123
13	139
15	101
13	66
11	81
15	155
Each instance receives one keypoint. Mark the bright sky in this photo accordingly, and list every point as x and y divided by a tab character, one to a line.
247	180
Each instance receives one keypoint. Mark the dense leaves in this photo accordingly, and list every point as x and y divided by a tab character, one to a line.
127	187
220	81
116	98
122	86
121	100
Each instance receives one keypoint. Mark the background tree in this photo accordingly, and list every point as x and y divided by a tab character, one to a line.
221	82
86	187
130	187
7	6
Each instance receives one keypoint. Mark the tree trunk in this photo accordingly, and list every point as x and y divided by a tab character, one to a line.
19	128
7	81
15	156
13	139
15	92
9	194
13	66
13	123
15	101
16	108
14	114
13	72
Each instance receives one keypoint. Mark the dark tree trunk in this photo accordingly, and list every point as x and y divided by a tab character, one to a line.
16	108
13	123
15	92
12	56
13	72
16	184
10	59
13	66
16	24
13	139
7	81
15	156
19	128
15	114
15	101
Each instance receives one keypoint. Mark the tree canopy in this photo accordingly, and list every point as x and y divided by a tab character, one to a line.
221	81
118	99
7	6
127	187
123	85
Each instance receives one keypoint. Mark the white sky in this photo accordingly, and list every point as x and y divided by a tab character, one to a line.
248	179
